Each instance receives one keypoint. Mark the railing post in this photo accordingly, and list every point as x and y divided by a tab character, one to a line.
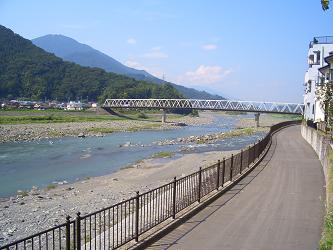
231	166
199	191
174	198
218	175
241	162
223	171
78	230
68	233
137	216
249	156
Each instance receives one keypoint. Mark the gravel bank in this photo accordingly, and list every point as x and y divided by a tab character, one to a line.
29	132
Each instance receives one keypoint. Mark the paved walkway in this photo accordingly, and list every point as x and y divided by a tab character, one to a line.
280	205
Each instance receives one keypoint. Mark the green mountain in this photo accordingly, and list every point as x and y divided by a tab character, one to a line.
27	71
84	55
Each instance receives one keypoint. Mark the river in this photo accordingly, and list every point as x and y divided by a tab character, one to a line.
39	163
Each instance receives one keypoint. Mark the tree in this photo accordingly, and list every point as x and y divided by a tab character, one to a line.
325	4
324	95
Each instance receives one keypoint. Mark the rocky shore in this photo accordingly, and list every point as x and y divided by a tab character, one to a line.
212	138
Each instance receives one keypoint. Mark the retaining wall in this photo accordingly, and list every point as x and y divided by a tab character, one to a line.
322	146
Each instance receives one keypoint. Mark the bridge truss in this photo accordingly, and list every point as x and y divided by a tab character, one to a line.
225	105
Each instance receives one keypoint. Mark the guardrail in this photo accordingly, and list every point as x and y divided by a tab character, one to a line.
116	225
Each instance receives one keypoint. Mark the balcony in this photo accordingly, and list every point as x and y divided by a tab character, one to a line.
321	40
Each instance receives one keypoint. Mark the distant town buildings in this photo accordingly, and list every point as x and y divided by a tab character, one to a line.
71	105
319	58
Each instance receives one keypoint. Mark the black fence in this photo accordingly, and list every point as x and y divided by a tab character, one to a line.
114	226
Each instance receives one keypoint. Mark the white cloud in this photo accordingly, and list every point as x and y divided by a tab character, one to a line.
209	47
155	53
131	41
204	75
136	65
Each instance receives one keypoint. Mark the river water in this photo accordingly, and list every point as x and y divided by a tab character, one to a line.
39	163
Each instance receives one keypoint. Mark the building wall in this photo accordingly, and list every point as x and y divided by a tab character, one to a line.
313	110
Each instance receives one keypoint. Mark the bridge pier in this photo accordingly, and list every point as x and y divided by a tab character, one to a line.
256	119
163	115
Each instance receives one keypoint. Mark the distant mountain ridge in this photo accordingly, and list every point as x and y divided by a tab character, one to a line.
71	50
29	72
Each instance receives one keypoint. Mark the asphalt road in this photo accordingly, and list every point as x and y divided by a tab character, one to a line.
280	205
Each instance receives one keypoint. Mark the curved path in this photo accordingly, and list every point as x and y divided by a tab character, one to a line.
279	205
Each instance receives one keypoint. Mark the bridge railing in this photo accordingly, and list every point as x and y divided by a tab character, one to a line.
118	224
227	105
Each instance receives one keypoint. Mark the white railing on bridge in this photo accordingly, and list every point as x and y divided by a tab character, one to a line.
226	105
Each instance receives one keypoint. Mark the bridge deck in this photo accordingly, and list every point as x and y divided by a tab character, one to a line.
280	205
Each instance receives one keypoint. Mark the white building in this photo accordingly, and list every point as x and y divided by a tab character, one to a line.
74	106
319	48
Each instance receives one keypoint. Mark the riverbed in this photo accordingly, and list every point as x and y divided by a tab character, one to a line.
53	161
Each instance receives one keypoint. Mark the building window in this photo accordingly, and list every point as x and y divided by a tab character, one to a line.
309	86
317	56
311	60
313	109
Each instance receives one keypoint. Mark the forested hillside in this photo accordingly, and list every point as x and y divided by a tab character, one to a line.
27	71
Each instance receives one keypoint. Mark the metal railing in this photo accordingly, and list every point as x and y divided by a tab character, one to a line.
116	225
321	40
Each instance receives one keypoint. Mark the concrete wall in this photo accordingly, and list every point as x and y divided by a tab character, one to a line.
322	146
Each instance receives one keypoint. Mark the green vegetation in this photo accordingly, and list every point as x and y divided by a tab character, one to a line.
163	154
101	130
326	242
325	4
23	193
51	186
27	71
55	119
287	116
142	115
230	134
235	113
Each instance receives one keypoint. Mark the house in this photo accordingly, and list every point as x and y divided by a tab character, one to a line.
319	50
74	106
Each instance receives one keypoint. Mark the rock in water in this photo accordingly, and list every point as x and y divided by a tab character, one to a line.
81	135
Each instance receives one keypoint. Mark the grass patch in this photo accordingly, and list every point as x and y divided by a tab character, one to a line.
51	118
23	193
287	116
101	130
142	115
54	134
126	167
163	154
326	242
230	134
51	186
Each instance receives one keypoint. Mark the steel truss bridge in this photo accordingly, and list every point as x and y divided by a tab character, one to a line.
225	105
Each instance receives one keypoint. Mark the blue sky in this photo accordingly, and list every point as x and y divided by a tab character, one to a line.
249	50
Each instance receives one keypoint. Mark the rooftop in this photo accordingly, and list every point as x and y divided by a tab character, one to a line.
321	40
